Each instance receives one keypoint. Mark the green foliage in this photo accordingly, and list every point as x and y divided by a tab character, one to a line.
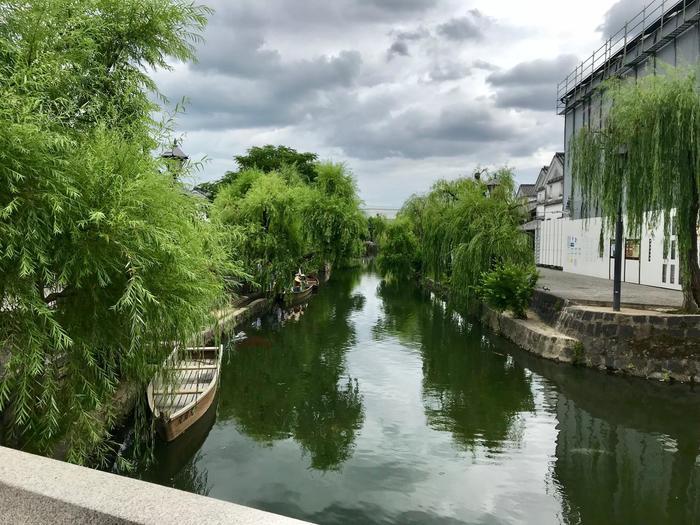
647	157
399	252
265	159
509	287
376	226
87	62
333	217
463	230
103	257
283	223
269	223
274	158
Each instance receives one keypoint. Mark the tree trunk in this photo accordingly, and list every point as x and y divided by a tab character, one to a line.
691	286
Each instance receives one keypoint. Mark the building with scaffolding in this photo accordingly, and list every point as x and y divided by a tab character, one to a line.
665	32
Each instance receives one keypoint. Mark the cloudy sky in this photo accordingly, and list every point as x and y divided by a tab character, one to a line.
403	91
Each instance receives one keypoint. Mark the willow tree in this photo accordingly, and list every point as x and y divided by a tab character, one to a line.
266	214
335	223
399	252
465	228
645	162
102	256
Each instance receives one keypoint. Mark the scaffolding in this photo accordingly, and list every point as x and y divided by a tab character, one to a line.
657	24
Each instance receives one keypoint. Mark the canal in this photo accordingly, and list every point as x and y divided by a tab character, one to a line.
379	405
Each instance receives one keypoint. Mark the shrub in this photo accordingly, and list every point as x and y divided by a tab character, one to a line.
509	287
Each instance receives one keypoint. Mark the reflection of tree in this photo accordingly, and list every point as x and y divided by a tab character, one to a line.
626	449
468	389
292	383
190	479
612	474
175	463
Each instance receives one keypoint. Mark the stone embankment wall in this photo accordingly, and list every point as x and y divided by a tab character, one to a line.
639	342
534	336
646	344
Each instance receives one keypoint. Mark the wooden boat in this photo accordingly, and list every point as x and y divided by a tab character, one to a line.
313	282
303	288
183	391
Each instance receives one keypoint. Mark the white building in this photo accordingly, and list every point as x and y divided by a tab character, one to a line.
665	31
550	189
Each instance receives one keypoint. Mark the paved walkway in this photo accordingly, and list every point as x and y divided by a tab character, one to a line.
583	288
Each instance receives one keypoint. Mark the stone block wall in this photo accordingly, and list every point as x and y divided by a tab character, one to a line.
547	306
535	337
645	344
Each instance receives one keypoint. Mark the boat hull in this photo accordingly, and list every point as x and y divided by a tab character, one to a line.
300	297
172	420
171	428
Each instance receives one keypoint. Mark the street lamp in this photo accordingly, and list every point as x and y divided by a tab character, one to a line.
619	232
491	184
479	172
178	156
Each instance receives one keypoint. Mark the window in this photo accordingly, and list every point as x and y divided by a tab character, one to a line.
632	249
612	249
673	274
649	254
663	273
665	249
673	250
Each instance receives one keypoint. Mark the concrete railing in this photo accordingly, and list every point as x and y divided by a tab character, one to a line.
37	490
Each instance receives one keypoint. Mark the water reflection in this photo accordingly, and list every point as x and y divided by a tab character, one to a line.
378	406
292	383
179	461
476	395
627	450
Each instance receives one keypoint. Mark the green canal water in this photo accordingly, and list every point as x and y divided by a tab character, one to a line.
379	405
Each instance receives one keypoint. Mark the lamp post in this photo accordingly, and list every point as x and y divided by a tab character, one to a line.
617	283
619	232
178	156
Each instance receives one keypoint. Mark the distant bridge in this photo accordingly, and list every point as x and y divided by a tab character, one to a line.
389	213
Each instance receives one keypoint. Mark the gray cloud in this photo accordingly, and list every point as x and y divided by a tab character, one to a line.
316	14
531	85
401	38
397	48
486	66
534	72
414	34
377	128
469	27
449	70
314	75
619	14
397	6
289	93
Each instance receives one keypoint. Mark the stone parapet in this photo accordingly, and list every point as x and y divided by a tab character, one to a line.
37	490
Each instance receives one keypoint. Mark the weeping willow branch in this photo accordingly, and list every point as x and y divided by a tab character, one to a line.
656	120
